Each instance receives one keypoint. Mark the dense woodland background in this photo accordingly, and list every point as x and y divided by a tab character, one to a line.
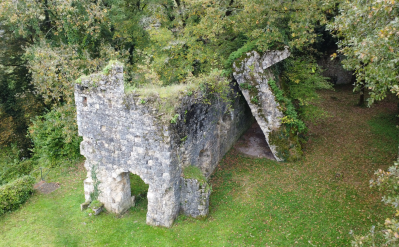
46	45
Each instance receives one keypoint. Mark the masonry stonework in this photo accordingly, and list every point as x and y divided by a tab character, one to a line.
253	72
121	135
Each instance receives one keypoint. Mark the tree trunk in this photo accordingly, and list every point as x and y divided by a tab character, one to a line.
361	99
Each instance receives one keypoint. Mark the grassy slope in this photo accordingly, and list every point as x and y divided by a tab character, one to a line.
254	201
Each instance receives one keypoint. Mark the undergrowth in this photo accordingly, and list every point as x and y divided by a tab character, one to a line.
137	185
290	115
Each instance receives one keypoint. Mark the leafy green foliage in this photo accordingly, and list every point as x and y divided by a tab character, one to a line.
13	171
291	117
246	86
301	77
53	139
18	100
11	165
214	84
174	119
137	185
368	33
255	100
238	54
13	194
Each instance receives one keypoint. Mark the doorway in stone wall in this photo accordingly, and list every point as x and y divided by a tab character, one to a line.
139	190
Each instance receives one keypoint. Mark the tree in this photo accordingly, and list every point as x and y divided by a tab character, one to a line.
197	37
162	42
55	42
368	31
387	234
18	100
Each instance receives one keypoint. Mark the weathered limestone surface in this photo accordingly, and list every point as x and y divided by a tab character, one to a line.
252	73
195	198
122	135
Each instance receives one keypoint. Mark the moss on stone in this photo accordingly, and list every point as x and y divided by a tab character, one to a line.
108	68
287	144
95	77
96	204
193	172
79	80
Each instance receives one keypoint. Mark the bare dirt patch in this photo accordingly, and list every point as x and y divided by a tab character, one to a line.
46	188
253	143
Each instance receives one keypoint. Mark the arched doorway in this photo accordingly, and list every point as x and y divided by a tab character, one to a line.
138	189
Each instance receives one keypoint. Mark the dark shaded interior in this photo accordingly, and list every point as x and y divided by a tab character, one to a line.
253	143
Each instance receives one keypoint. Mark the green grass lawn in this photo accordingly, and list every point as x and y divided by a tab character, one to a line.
255	202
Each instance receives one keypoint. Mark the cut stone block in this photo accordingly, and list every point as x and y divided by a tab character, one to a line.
84	205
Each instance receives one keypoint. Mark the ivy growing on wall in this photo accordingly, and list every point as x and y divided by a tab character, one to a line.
291	117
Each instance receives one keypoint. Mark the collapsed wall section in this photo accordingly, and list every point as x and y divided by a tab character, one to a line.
253	73
122	135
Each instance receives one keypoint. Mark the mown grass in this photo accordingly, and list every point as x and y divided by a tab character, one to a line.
137	185
254	202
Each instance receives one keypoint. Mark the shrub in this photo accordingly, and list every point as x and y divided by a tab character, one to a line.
11	165
387	234
55	135
247	47
291	118
13	170
13	194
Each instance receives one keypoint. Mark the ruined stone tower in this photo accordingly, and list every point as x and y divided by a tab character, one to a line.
121	135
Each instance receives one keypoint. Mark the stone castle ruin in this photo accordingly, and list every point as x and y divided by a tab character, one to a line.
122	135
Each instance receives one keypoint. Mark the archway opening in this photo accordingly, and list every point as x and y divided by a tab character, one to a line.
139	190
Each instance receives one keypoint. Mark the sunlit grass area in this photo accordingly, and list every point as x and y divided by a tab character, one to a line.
254	202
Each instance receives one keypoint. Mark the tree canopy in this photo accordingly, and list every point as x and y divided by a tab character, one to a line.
368	32
160	42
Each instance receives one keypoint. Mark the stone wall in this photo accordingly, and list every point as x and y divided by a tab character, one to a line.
253	73
122	135
334	70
